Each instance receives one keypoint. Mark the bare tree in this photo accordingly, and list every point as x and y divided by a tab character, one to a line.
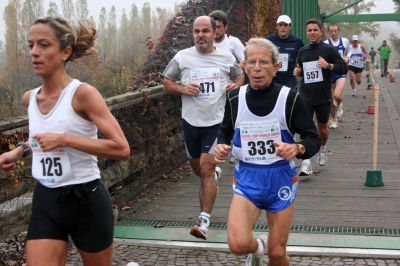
68	10
112	32
103	20
82	11
53	10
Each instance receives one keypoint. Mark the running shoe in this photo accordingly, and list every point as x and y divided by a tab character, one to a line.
354	92
232	159
200	229
252	260
339	110
333	123
322	158
305	168
218	172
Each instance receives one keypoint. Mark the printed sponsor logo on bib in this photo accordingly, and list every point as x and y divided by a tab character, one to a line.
356	61
257	139
312	72
209	81
49	167
283	62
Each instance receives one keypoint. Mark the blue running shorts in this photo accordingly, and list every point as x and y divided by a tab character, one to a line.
270	187
337	76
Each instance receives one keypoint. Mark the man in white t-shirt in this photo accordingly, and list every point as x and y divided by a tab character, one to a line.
206	74
228	43
338	81
225	41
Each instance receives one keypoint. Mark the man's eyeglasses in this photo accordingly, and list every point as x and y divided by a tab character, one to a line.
262	63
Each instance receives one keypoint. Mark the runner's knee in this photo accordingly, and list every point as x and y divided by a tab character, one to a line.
239	246
277	255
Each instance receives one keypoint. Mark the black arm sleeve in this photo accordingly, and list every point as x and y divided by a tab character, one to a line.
300	122
227	127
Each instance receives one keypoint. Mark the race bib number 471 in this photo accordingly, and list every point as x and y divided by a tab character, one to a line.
209	81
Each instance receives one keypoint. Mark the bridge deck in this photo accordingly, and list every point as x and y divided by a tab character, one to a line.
335	195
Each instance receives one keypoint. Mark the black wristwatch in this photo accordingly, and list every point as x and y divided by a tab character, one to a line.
24	147
330	67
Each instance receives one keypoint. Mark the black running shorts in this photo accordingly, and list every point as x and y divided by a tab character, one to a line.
356	70
322	111
89	222
199	140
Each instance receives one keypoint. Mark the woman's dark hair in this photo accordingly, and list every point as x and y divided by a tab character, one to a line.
81	39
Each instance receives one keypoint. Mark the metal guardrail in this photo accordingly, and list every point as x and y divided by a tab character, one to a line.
113	103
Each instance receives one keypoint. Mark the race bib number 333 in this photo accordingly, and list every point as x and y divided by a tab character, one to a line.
257	139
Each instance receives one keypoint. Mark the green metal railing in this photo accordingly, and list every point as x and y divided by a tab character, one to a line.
335	230
300	11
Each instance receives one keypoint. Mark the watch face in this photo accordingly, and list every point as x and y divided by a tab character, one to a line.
301	148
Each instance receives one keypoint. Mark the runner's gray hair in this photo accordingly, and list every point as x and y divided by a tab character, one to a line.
266	44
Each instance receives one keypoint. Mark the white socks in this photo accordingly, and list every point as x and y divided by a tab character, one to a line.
205	215
260	249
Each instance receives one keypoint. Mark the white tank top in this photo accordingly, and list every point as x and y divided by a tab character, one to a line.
254	135
64	165
355	58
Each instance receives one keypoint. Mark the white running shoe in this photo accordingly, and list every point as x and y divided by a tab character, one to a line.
200	229
305	168
322	158
232	159
252	260
339	110
333	123
218	172
354	92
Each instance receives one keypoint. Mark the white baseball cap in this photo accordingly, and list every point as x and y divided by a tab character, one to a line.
354	38
284	18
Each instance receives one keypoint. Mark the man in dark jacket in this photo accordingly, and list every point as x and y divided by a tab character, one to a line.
316	62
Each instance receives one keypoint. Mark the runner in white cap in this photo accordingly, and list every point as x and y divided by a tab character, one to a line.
356	63
288	46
